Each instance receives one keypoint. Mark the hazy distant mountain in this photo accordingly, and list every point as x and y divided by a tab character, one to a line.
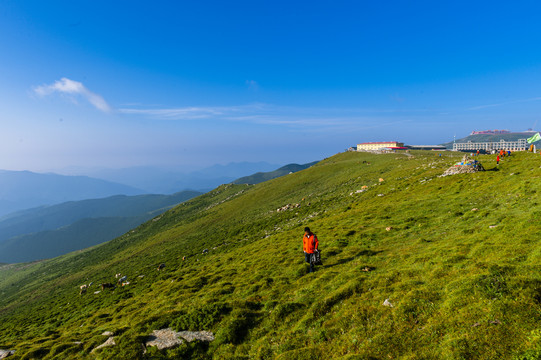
79	235
55	230
264	176
235	170
24	189
167	181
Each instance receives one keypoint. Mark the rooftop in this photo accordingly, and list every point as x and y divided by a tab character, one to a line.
379	142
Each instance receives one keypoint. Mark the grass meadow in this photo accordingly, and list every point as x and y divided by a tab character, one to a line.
457	258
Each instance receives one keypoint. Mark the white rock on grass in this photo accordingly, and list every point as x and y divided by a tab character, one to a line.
5	353
168	338
108	342
387	303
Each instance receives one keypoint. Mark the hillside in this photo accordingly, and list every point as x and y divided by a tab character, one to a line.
455	257
24	189
266	176
491	138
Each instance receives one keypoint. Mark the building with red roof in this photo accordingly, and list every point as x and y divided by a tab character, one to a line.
370	146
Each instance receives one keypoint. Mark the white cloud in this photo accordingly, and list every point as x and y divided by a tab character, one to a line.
74	88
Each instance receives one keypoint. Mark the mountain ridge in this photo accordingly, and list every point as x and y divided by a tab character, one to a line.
25	189
38	233
265	176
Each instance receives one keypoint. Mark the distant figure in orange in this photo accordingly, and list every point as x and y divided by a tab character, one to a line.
498	160
310	244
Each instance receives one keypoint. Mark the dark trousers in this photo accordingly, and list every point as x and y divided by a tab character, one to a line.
308	259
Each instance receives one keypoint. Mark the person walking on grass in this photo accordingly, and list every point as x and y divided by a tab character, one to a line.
498	160
309	246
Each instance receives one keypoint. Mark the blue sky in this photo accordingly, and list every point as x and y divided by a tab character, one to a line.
187	84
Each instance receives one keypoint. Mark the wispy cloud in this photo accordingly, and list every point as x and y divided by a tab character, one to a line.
193	112
305	118
70	87
480	107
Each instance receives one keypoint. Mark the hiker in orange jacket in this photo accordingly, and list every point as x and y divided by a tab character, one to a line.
309	246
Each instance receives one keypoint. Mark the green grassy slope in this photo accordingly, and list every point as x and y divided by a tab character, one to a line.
458	257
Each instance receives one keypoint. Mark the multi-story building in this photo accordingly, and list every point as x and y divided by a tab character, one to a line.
519	145
370	146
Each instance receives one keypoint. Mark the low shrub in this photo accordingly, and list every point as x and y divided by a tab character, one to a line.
202	318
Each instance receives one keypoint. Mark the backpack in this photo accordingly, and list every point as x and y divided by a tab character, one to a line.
316	258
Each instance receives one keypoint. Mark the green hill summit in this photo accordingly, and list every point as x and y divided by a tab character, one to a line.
415	266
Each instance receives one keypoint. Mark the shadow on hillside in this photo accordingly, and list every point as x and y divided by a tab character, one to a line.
493	169
351	258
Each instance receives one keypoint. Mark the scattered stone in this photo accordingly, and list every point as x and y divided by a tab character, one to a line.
381	194
387	303
163	339
168	338
475	209
492	226
476	324
5	353
364	187
381	180
289	207
495	322
108	342
190	336
107	333
97	292
141	276
389	228
366	269
357	192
